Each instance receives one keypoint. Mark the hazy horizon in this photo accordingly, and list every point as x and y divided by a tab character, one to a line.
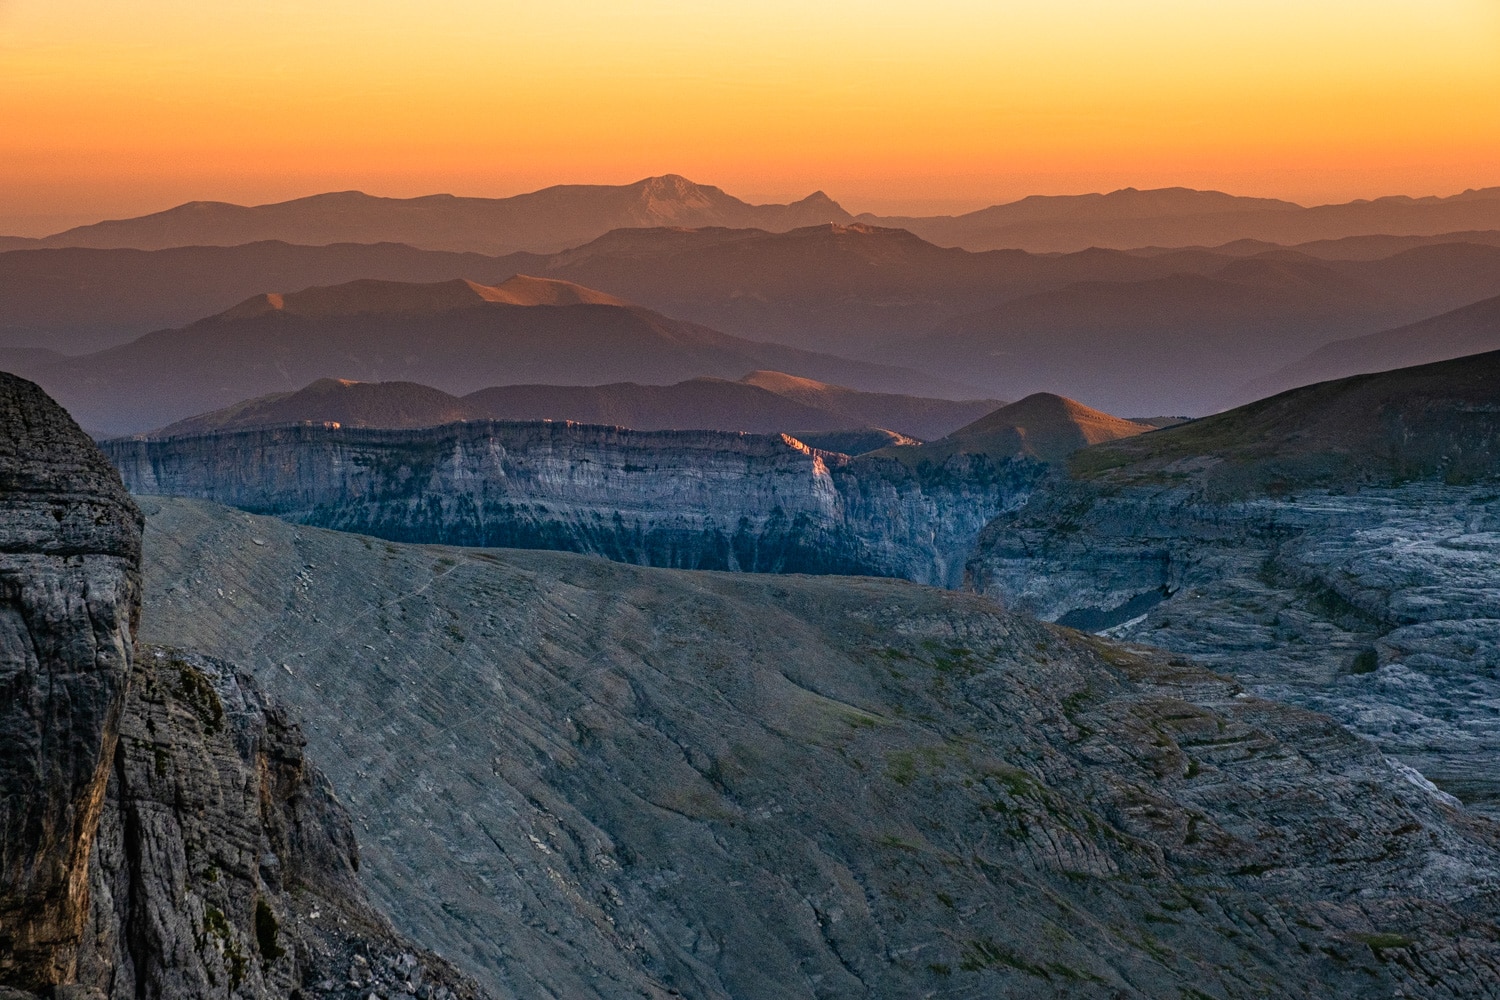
121	110
40	225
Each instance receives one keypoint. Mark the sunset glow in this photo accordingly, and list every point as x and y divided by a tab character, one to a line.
111	108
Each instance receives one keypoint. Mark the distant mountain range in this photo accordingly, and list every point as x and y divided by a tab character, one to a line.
1178	343
1189	327
1180	217
1043	426
541	221
457	336
763	402
567	215
1147	330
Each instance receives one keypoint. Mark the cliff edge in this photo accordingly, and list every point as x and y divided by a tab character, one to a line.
70	548
161	832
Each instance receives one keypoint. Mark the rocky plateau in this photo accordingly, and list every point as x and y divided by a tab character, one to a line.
688	499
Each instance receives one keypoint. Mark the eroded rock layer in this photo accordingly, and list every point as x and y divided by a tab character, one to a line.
1337	545
161	833
611	780
1380	607
224	865
690	499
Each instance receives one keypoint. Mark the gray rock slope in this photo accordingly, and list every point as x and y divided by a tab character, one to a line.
586	779
1335	545
224	866
162	834
1380	607
686	499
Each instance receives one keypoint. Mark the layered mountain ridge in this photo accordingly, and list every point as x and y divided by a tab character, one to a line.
1190	326
762	402
369	295
457	336
543	221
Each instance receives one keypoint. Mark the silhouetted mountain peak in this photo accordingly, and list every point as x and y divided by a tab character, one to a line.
817	198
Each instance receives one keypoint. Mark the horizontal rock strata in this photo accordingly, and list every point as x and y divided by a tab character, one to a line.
690	499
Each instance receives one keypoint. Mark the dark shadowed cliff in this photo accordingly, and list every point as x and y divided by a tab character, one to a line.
69	596
161	833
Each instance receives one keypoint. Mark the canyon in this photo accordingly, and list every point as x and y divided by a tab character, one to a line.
576	776
585	778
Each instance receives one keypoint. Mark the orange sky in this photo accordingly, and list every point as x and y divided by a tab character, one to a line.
117	107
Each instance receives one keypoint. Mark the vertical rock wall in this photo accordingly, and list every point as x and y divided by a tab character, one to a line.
70	542
678	499
161	833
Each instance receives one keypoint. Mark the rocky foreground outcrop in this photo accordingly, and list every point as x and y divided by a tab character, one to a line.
591	779
681	499
70	542
163	833
224	865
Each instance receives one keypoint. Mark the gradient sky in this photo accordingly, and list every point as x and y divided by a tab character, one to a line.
117	107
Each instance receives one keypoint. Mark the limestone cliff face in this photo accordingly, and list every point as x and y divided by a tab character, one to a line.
161	833
693	499
70	541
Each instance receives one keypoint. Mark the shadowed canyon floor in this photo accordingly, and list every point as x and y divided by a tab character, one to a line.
586	779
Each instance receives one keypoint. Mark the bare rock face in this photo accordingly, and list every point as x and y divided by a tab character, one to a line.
70	542
224	865
678	499
161	833
1380	607
1336	546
